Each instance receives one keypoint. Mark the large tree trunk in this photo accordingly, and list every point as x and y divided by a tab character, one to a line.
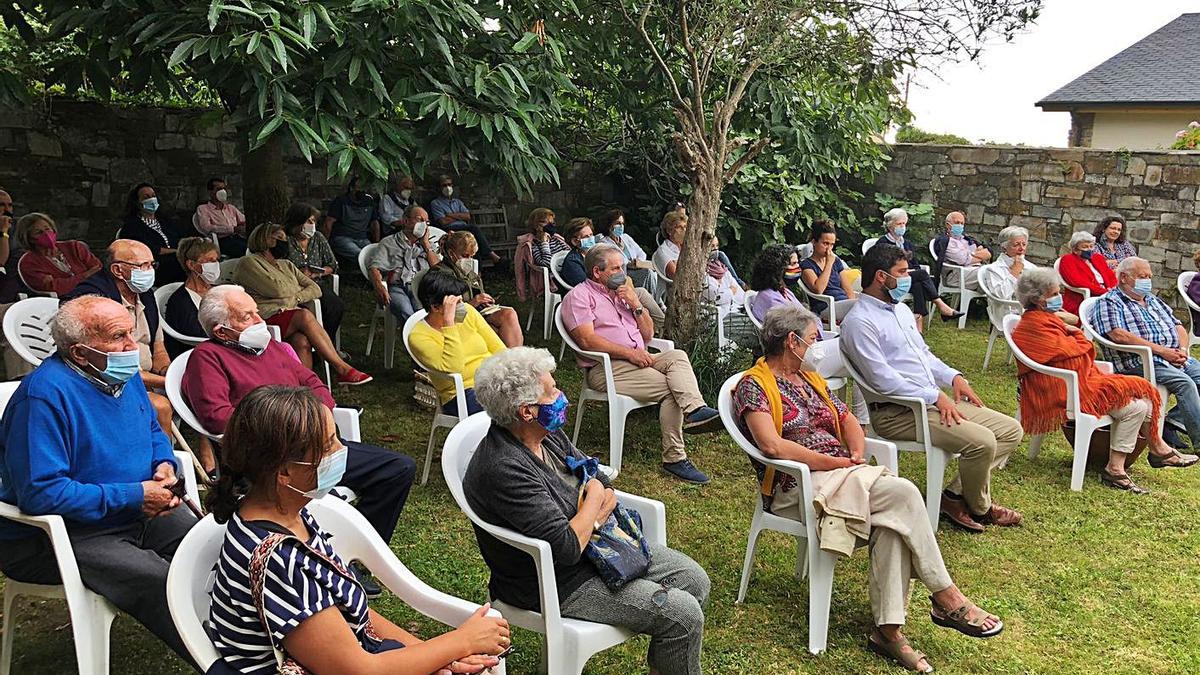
266	199
702	209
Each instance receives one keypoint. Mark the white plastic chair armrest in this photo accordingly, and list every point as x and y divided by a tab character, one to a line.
184	470
1144	352
660	344
335	282
1104	367
460	395
347	421
653	512
885	454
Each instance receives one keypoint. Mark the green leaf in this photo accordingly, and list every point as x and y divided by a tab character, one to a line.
355	66
345	159
372	163
444	49
255	41
181	52
309	21
381	91
525	42
214	13
269	128
280	51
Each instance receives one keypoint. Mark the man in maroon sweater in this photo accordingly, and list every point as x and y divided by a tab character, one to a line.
239	357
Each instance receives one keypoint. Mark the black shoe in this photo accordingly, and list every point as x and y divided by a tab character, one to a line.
952	317
370	586
686	471
702	420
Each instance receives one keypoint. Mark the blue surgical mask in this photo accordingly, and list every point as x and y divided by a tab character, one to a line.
618	231
329	473
140	280
956	230
1054	303
899	231
903	284
552	416
1143	287
150	205
587	242
1085	254
121	366
616	281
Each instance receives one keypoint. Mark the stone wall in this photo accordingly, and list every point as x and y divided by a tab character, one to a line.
77	161
1054	192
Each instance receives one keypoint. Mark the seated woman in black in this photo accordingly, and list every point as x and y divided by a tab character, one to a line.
145	221
924	290
281	452
200	258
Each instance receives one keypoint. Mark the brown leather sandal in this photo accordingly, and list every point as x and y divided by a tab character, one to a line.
959	620
895	652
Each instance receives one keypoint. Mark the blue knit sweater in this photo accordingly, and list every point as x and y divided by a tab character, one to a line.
68	448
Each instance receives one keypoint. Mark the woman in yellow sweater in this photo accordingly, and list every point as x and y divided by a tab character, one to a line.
453	338
280	289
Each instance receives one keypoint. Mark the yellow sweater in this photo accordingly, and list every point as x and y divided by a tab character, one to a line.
459	348
275	287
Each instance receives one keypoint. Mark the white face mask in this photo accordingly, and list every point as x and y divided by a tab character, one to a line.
255	338
448	190
210	272
308	230
466	266
405	194
222	195
420	229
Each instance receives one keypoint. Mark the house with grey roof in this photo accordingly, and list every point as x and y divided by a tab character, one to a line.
1139	98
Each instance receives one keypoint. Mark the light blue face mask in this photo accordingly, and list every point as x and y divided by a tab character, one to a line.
903	285
329	473
587	242
899	231
120	366
140	280
1054	303
150	205
1143	287
956	230
618	231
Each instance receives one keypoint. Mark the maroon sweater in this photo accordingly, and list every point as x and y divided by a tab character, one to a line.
218	376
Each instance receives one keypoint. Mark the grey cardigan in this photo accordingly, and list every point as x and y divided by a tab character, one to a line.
508	486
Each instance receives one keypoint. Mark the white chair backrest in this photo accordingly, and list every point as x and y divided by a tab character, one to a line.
932	252
161	296
228	269
406	334
175	374
868	244
750	295
1181	285
416	283
725	408
804	250
363	256
7	389
164	293
189	581
25	283
435	235
556	263
27	328
826	355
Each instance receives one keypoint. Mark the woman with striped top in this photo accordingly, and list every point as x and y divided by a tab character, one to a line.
281	591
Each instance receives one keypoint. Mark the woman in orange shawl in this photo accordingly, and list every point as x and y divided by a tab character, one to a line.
787	410
1132	402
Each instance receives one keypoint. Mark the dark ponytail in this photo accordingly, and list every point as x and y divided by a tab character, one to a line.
272	426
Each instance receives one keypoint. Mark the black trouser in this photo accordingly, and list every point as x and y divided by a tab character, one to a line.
332	310
485	248
126	565
381	478
232	245
923	290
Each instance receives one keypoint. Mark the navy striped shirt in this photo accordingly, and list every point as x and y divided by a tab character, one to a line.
297	585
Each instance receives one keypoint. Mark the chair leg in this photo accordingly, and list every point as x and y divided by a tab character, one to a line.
987	356
371	333
9	628
578	418
101	625
751	545
1035	445
820	594
562	349
529	321
428	455
389	341
1083	439
801	557
90	626
935	476
964	305
616	436
548	316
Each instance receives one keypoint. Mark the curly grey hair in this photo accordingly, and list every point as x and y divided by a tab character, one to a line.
510	379
1034	284
71	324
214	308
1080	237
1010	233
598	255
781	322
893	215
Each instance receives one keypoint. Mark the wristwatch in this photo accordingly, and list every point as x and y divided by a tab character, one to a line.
639	311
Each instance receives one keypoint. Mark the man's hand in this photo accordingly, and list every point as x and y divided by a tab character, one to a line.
946	408
5	222
165	471
628	296
157	497
962	390
640	358
482	299
1174	357
381	294
982	254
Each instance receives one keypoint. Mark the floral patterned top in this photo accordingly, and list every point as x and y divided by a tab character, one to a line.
806	420
1118	252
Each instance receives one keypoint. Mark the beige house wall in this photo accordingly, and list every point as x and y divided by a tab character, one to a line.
1137	129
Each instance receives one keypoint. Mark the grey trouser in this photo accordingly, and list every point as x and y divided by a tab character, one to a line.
127	565
667	604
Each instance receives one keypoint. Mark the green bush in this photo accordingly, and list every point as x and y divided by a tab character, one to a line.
910	134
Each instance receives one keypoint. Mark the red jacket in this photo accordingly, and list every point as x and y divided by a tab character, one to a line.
1077	272
35	267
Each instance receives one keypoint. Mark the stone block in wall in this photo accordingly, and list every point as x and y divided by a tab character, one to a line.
1049	172
1196	207
963	169
1135	166
1118	180
1094	179
100	194
995	220
1074	172
99	162
203	146
7	138
1181	175
975	155
1141	231
43	145
1064	192
1186	194
1153	254
975	213
1119	201
1088	213
997	169
1066	155
1050	212
170	142
979	194
1009	192
1153	175
1041	251
20	118
1178	220
1160	204
1100	163
1031	191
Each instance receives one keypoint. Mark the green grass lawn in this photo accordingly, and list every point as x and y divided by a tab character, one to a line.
1096	581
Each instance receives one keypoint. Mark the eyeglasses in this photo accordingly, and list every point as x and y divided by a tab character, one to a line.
152	265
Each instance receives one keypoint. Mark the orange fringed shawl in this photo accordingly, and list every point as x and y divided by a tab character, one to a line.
1043	337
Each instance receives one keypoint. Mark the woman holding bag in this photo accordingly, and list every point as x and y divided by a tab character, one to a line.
281	590
520	479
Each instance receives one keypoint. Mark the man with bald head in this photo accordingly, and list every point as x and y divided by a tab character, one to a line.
128	278
79	439
956	248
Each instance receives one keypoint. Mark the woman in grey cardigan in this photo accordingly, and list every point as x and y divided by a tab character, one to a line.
518	479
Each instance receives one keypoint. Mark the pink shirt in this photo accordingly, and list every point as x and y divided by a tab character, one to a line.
223	221
591	303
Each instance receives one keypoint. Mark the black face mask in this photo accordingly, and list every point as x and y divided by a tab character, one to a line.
551	228
281	249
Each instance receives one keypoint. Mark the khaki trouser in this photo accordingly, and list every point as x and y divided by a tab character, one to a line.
1127	421
652	308
984	440
670	382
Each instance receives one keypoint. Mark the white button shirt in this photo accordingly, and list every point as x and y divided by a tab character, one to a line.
882	342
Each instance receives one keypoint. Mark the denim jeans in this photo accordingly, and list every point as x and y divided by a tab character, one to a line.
451	407
348	247
403	303
1183	381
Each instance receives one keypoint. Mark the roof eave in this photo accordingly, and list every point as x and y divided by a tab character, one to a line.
1068	106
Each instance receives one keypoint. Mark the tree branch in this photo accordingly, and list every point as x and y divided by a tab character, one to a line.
753	151
640	25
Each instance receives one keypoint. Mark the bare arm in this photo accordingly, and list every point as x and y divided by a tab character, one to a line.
670	271
818	283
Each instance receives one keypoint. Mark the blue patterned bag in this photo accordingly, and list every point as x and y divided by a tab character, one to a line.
618	548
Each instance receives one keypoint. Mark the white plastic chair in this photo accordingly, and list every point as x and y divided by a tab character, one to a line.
91	614
965	295
619	405
1085	292
556	263
1085	424
161	295
997	309
27	328
550	300
569	643
810	559
1142	351
804	250
1181	285
868	243
440	419
830	325
192	574
746	305
936	458
380	312
21	276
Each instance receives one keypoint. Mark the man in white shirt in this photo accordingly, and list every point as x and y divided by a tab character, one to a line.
218	216
880	338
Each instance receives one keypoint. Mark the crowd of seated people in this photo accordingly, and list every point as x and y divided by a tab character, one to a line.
395	262
956	247
920	284
1081	268
50	265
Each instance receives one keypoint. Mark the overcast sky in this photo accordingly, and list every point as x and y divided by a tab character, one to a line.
993	98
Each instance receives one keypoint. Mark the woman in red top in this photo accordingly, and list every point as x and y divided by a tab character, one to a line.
1079	268
49	265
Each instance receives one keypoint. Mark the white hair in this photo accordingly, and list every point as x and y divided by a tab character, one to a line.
893	215
214	308
1034	284
781	322
510	379
1080	237
1127	264
71	324
1008	234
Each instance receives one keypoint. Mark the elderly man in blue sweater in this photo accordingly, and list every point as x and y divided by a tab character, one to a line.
80	439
